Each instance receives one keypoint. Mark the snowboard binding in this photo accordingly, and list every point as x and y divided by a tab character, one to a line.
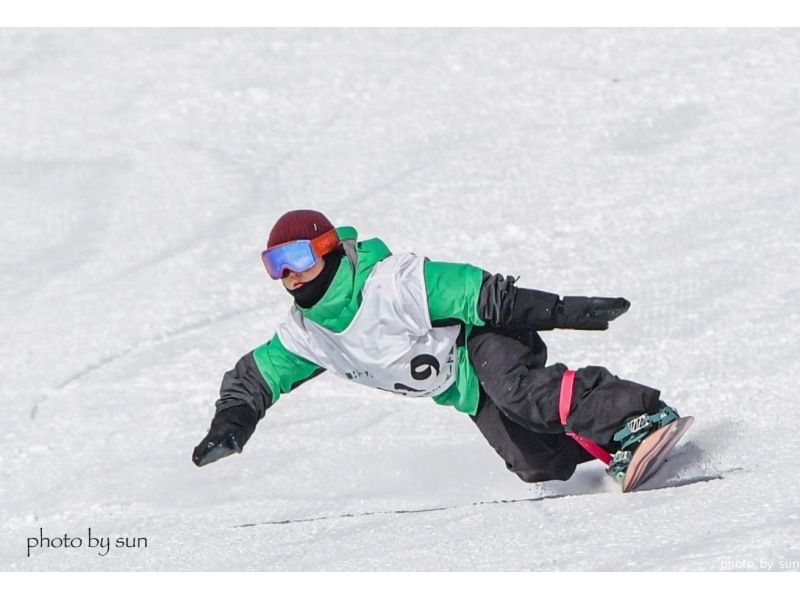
633	433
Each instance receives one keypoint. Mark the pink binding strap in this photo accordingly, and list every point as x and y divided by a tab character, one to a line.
564	405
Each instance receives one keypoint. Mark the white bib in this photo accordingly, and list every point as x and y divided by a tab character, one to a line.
390	344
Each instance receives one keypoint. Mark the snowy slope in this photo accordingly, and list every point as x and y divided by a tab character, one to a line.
140	172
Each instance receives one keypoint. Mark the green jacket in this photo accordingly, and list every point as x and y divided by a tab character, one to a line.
453	292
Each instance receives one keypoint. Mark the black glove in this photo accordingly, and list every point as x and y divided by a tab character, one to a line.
588	313
230	430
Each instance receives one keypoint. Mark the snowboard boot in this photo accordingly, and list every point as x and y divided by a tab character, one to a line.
631	435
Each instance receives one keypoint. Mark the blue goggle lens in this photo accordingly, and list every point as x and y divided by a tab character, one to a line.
297	256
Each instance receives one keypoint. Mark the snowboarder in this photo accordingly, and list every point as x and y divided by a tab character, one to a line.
451	331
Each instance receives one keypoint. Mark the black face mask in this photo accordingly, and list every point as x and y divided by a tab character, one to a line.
308	294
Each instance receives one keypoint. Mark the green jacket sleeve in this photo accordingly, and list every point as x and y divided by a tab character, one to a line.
453	292
263	375
283	370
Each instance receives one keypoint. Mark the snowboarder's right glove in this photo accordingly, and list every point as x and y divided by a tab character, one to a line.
588	313
230	430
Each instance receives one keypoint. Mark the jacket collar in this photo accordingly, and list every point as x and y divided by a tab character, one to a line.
338	306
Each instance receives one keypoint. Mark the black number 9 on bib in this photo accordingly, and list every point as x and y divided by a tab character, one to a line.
422	366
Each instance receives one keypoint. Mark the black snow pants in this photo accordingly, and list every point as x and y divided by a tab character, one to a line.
518	410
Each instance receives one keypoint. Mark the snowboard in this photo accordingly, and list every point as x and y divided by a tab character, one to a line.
651	454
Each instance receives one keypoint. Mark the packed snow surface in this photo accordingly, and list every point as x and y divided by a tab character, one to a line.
140	173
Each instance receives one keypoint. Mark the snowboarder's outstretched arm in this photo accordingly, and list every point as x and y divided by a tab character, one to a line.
247	391
504	305
474	296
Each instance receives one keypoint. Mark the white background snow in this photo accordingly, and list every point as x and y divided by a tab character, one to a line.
140	172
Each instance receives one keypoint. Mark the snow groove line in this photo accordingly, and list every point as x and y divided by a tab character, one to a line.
149	342
654	484
677	484
145	343
400	511
689	481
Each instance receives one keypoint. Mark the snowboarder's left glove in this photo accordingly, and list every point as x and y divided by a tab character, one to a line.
588	313
504	305
230	430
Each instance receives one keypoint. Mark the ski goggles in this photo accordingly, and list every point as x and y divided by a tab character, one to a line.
298	256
